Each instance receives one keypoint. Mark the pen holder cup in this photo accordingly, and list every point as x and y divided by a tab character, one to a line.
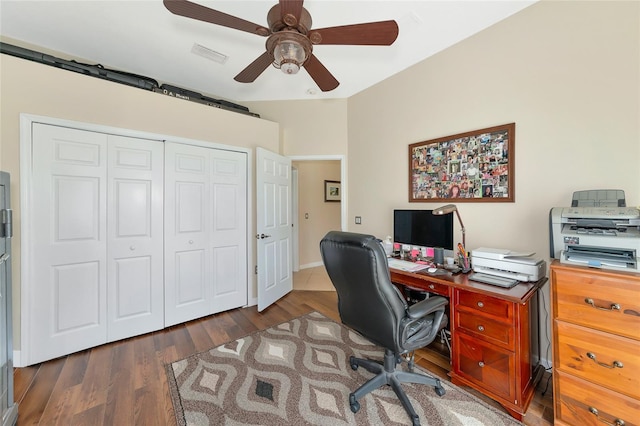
464	263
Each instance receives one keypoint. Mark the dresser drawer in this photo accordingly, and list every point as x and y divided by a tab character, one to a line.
578	402
486	365
488	305
485	328
601	358
600	300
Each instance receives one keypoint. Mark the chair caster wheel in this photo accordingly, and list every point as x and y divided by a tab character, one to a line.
352	362
439	390
355	405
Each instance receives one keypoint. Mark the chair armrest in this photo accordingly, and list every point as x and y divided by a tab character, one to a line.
427	306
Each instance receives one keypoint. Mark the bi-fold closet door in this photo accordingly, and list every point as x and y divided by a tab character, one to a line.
205	231
96	258
128	235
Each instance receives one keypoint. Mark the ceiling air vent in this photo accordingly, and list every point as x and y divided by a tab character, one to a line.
207	53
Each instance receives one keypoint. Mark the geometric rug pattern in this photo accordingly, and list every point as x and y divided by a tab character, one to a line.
298	373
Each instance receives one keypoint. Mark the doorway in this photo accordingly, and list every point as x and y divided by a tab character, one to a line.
298	187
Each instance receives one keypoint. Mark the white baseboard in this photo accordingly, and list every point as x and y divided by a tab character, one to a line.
311	265
17	362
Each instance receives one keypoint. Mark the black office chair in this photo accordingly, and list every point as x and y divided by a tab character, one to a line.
370	304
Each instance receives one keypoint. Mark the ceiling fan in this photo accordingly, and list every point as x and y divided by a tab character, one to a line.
290	39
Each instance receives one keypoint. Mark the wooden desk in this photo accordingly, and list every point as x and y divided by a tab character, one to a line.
491	335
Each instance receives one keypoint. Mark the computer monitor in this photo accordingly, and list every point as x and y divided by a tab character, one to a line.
422	228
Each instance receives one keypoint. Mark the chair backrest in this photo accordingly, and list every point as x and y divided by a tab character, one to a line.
368	301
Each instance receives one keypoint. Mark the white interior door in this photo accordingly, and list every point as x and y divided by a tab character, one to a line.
273	201
187	295
68	303
135	275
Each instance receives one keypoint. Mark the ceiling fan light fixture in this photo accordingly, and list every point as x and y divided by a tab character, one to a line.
290	50
289	55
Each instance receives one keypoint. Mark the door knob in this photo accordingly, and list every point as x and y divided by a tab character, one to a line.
262	236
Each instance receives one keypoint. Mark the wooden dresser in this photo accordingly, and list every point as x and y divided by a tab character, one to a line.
596	346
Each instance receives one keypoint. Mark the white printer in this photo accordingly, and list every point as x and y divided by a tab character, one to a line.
508	264
602	237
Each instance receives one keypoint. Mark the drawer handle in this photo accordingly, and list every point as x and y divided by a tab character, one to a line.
431	286
614	306
481	328
614	364
480	305
616	422
481	364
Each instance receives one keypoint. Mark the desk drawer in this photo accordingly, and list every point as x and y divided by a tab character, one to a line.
486	365
488	305
599	300
601	358
440	289
486	329
578	402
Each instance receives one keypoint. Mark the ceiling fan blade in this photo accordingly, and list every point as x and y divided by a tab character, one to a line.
382	33
291	11
254	69
323	78
195	11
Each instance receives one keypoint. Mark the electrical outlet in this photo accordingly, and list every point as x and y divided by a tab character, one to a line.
358	220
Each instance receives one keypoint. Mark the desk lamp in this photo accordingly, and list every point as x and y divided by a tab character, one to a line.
450	208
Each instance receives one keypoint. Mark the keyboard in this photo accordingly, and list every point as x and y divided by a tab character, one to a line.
493	280
405	265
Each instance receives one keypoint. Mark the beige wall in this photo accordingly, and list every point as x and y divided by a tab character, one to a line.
568	75
28	87
308	127
322	216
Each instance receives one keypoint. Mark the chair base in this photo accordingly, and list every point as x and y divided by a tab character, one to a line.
386	374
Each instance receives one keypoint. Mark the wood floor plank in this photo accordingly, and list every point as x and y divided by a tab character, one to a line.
96	379
125	382
60	407
145	358
119	408
35	400
22	378
199	336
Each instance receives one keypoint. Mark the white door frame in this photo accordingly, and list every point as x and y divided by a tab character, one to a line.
343	202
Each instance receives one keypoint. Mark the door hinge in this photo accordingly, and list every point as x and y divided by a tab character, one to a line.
6	223
256	269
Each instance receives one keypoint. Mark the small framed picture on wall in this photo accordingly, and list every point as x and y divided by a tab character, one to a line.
332	190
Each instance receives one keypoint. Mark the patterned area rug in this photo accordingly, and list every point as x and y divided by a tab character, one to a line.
298	373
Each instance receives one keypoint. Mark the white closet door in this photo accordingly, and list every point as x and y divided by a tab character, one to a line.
187	270
135	237
68	303
228	241
205	231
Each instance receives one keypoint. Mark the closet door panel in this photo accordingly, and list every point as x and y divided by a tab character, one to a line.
187	272
229	229
67	296
135	252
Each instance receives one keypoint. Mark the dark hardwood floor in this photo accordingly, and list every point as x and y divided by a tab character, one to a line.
124	383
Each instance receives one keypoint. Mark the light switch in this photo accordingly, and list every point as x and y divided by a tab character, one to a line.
358	220
306	215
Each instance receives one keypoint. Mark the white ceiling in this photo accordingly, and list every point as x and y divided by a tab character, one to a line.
143	37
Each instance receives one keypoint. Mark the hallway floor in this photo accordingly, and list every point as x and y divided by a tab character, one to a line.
312	279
